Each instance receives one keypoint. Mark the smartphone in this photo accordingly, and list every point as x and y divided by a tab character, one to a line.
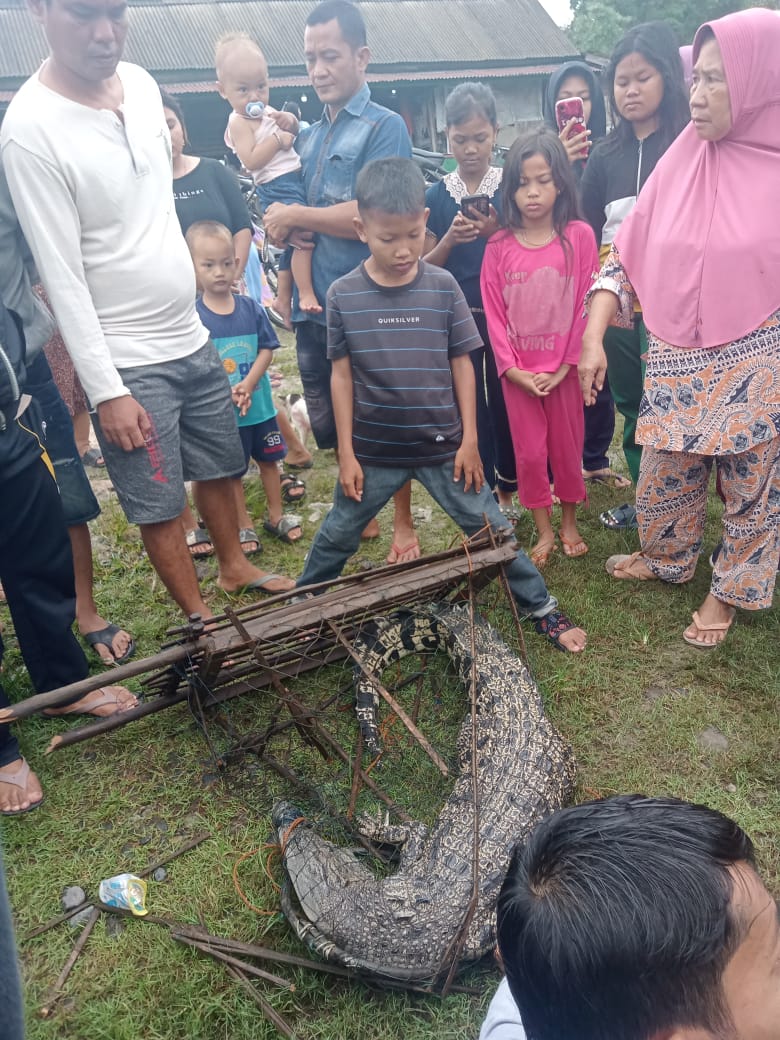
571	108
475	206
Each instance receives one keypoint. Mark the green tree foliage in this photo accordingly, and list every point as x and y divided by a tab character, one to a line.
599	24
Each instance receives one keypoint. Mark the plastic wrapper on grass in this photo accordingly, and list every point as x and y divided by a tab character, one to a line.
124	892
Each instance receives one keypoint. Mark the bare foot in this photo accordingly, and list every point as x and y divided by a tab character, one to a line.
309	303
284	309
20	789
711	623
299	460
371	530
108	700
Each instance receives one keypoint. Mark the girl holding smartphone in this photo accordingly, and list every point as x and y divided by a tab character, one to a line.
456	237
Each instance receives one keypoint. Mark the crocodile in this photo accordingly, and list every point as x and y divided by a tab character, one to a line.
406	926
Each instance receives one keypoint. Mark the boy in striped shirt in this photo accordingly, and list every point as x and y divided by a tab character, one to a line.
404	395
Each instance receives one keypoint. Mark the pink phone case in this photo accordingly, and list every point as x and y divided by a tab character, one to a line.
570	108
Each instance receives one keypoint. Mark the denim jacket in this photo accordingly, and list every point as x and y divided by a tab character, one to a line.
332	156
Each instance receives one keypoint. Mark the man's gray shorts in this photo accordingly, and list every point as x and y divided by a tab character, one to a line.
194	435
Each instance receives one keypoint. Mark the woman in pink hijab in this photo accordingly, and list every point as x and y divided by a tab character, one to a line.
702	251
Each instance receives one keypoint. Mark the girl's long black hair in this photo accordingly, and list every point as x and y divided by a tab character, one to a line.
547	144
657	44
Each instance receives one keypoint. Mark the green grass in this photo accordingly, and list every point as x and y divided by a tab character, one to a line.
632	706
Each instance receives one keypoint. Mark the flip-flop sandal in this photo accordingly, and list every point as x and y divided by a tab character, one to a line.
18	779
552	626
621	518
291	483
247	536
540	554
510	513
607	477
283	528
723	627
93	457
199	537
299	465
625	561
105	637
108	695
572	549
397	551
258	585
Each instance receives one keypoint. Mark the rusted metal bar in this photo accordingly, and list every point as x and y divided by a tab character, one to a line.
270	1013
355	787
54	993
264	953
266	976
174	655
429	750
315	793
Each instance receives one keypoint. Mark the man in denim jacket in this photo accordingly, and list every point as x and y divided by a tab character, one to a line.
352	131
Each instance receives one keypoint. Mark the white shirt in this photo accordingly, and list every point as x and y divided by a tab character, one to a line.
502	1021
93	194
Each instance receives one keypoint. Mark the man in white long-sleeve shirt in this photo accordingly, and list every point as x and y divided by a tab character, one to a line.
87	155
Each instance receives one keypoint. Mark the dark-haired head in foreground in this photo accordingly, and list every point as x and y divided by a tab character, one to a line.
640	918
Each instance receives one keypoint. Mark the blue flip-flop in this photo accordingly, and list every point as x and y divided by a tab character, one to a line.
621	518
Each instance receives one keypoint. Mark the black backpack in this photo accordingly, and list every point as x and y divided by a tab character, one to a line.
12	370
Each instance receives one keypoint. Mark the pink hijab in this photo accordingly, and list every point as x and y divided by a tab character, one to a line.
702	245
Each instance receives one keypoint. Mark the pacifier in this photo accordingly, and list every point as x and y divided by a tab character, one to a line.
255	109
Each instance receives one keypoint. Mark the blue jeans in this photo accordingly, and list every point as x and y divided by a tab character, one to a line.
339	536
311	342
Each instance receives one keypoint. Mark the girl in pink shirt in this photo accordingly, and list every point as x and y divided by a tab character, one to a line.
535	274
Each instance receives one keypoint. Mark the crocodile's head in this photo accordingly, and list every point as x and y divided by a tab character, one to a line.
283	815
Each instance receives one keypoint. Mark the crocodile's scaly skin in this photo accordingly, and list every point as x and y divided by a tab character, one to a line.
404	926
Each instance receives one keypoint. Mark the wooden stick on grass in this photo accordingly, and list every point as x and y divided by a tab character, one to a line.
54	993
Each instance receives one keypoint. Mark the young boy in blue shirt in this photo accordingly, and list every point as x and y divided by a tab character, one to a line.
245	341
404	397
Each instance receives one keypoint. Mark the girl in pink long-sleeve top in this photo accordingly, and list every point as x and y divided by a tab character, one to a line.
535	274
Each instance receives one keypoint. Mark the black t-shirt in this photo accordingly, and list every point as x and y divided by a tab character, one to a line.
210	192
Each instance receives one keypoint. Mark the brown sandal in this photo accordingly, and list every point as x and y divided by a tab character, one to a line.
18	779
722	626
542	552
576	548
625	562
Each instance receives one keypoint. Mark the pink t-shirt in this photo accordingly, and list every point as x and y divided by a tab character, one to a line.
286	160
533	298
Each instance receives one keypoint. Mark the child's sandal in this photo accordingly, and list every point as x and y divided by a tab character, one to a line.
542	552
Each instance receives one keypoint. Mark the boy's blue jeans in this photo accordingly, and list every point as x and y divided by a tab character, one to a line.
339	536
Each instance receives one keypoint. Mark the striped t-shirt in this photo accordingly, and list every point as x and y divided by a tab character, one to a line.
400	342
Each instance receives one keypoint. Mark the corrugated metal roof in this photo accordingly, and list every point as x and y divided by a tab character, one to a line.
413	34
423	76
